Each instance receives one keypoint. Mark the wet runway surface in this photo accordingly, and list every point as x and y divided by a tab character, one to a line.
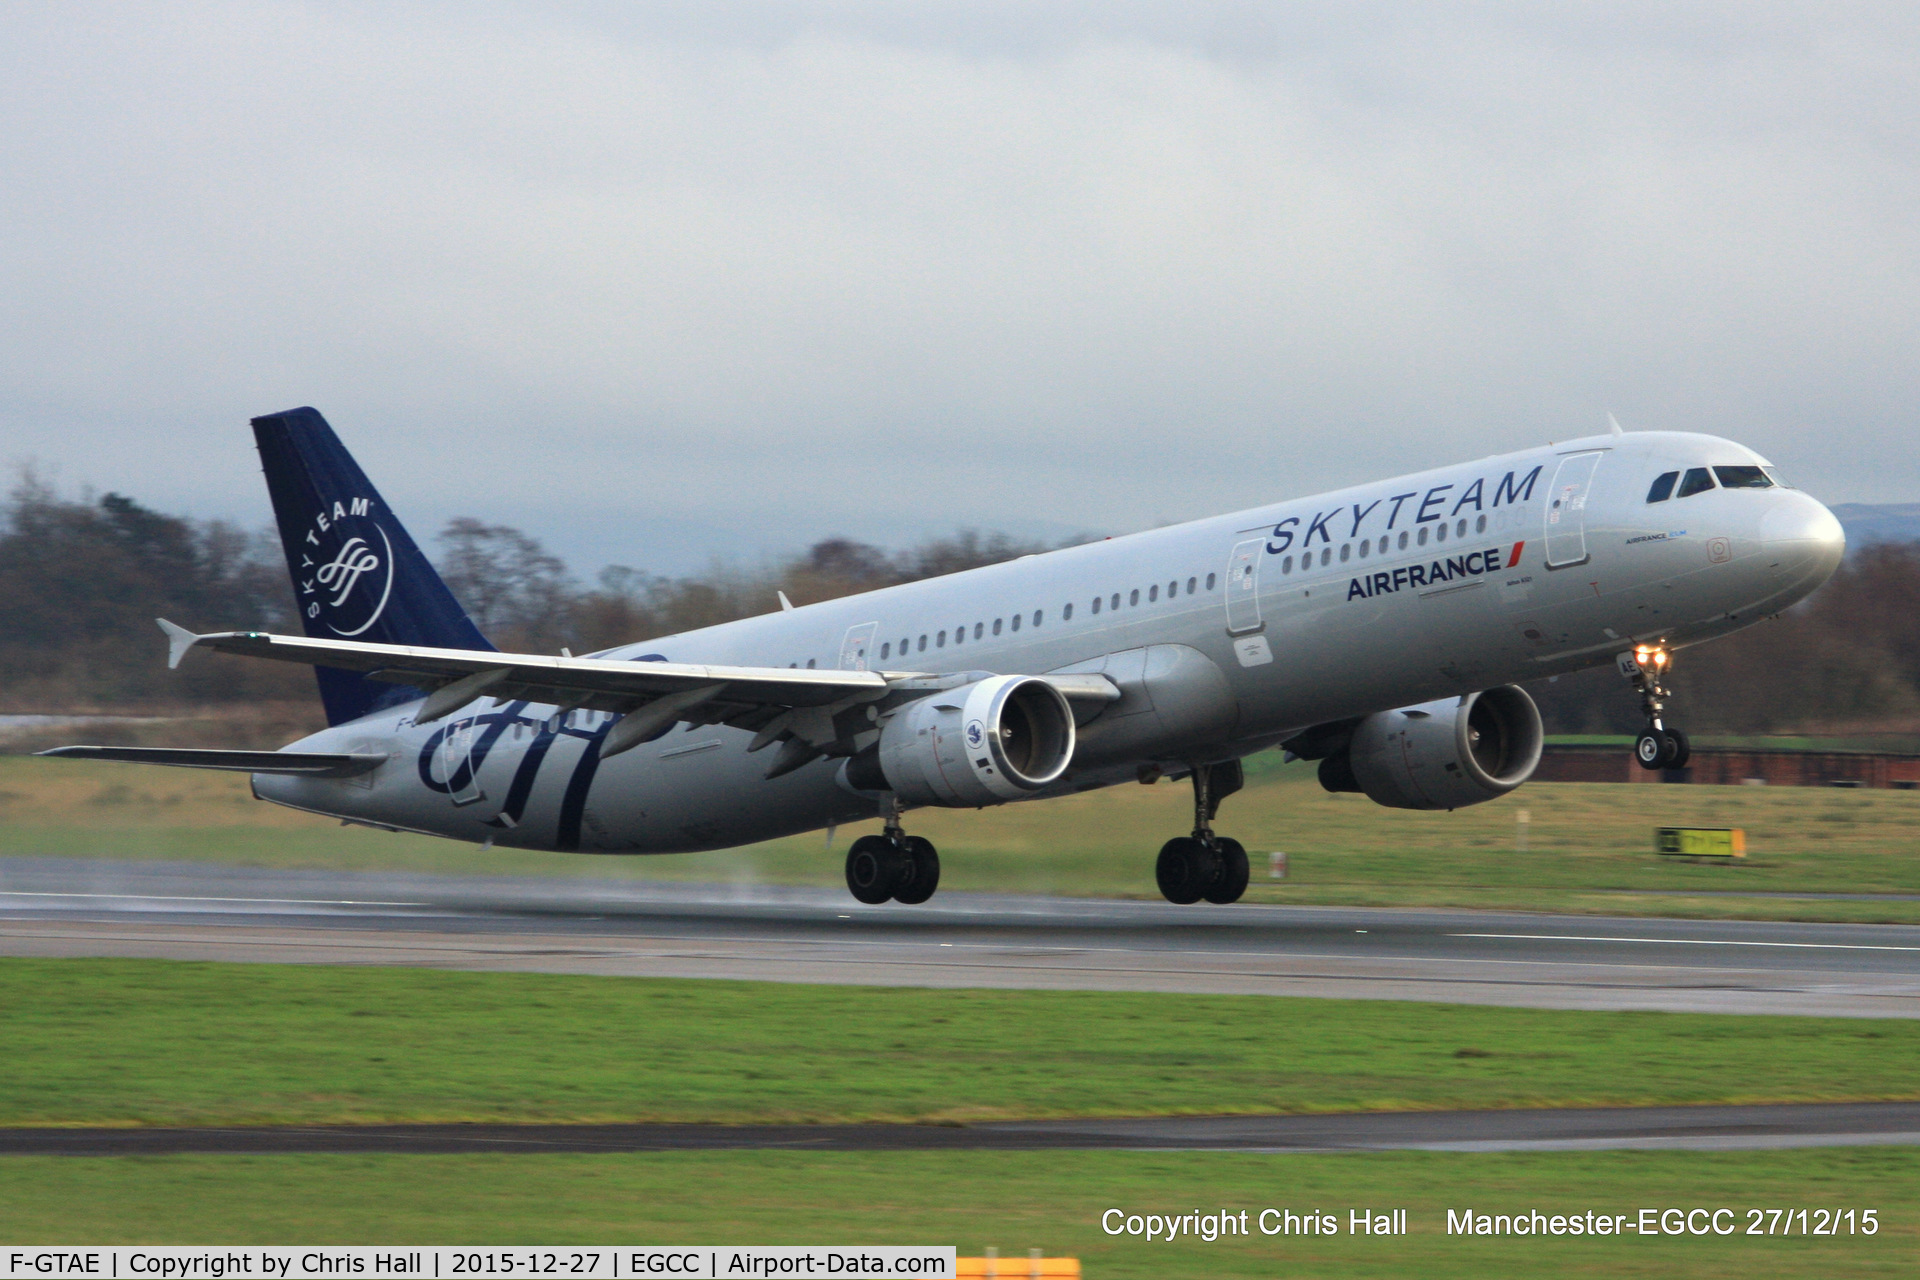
1614	1128
69	907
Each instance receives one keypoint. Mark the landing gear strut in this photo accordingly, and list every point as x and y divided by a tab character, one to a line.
893	865
1205	865
1662	746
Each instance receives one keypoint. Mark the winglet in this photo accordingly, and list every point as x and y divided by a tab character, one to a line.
786	605
179	640
1613	425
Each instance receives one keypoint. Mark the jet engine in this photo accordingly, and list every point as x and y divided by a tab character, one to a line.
988	742
1440	755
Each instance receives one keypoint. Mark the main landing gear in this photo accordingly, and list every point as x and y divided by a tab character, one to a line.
1204	865
893	865
1662	746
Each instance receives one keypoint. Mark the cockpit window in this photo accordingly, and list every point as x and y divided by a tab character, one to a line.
1743	478
1773	474
1662	486
1697	480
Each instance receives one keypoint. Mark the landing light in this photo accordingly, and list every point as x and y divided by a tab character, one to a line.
1648	655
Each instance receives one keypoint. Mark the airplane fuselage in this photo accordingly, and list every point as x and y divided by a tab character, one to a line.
1224	636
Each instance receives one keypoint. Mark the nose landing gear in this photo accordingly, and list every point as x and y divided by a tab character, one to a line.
893	865
1662	746
1205	865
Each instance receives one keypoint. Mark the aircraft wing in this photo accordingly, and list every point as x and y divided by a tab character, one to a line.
602	684
779	703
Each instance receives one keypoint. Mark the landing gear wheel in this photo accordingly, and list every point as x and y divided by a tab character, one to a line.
1186	870
1232	880
1650	750
1679	750
920	866
875	866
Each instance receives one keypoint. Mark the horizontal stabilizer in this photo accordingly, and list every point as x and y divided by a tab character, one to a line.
303	764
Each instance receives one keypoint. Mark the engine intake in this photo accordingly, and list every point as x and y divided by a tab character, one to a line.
1441	755
988	742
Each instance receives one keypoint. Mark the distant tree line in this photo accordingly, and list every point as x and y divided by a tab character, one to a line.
81	581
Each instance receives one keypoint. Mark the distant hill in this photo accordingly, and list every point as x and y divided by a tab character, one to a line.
1867	523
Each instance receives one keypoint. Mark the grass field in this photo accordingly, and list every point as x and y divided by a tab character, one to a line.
1589	845
1012	1202
129	1042
164	1042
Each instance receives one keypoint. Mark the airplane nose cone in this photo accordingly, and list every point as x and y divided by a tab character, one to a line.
1803	537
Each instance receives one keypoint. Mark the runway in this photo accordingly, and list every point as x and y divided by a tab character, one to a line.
1613	1128
68	907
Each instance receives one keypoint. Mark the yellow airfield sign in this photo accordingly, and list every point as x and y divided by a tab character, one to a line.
1700	842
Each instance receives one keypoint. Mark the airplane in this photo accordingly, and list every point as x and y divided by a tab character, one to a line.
1380	630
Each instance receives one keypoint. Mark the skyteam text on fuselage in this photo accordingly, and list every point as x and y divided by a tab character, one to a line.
1379	630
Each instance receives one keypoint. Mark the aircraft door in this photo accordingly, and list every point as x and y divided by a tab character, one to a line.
457	764
856	651
1243	586
1567	510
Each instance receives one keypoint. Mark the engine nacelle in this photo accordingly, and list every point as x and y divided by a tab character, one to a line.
994	740
1441	755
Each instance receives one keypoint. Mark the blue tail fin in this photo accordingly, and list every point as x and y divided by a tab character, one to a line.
356	573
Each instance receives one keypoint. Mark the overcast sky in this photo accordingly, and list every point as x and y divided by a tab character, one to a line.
660	281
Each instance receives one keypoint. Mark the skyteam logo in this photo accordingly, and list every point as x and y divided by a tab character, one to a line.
346	568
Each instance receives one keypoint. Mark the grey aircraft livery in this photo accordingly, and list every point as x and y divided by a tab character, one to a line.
1379	630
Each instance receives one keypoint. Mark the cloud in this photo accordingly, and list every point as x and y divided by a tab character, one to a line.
787	269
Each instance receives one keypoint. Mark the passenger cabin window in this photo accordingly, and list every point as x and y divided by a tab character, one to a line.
1742	478
1423	535
979	629
996	626
1403	539
1209	582
1066	613
1190	585
1346	551
1697	480
886	650
1662	486
1153	593
1286	566
960	633
809	664
1134	597
1480	525
1115	602
1096	604
1038	614
923	644
1016	622
940	641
